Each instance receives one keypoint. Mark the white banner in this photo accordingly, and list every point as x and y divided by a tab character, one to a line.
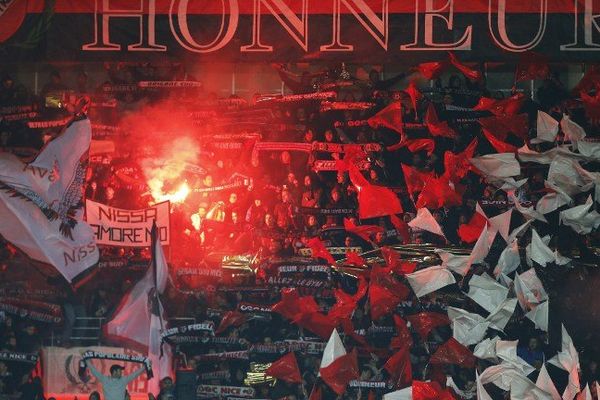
61	372
131	228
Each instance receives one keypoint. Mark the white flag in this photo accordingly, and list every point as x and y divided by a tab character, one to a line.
554	200
455	263
482	394
333	350
567	175
486	292
429	280
528	212
403	394
545	383
424	220
140	316
509	259
500	317
572	131
467	328
547	128
486	350
580	218
529	290
499	165
538	250
40	203
539	316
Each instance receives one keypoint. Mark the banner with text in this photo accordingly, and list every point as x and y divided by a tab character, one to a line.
130	228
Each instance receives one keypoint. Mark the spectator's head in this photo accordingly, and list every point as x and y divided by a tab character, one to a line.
7	82
116	371
533	344
309	136
285	196
166	383
307	181
233	198
94	395
257	201
348	241
110	193
269	222
286	158
448	99
335	195
311	221
329	135
235	217
55	77
208	180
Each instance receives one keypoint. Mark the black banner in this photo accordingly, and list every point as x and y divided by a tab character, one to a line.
245	30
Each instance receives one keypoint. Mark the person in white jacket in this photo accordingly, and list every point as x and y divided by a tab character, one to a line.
114	386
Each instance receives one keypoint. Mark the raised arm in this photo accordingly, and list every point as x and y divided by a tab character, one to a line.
134	374
95	372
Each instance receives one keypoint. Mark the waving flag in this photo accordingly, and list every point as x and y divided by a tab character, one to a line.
40	203
286	369
452	352
469	73
140	317
338	368
390	118
373	201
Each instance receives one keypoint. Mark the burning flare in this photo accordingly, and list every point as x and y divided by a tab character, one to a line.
167	167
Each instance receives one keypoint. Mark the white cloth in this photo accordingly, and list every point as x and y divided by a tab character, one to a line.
506	350
455	263
554	200
486	292
467	328
539	316
572	131
538	250
499	165
333	350
424	220
545	383
403	394
486	349
529	290
567	175
500	317
509	259
580	218
547	128
35	200
482	394
429	280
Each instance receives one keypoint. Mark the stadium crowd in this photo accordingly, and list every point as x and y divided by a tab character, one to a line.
272	202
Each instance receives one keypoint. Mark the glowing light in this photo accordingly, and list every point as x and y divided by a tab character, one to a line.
177	196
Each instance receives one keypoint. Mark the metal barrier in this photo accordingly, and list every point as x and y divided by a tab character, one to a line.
87	331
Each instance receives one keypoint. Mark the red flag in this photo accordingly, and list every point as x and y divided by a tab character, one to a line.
348	328
346	303
416	145
425	322
315	393
371	395
437	193
390	117
590	80
364	231
393	261
399	367
318	250
373	201
403	336
452	352
353	258
457	165
469	233
504	107
591	105
382	301
291	304
286	369
432	70
497	144
316	322
437	127
341	371
231	318
414	93
426	390
401	228
414	179
532	66
469	73
500	127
